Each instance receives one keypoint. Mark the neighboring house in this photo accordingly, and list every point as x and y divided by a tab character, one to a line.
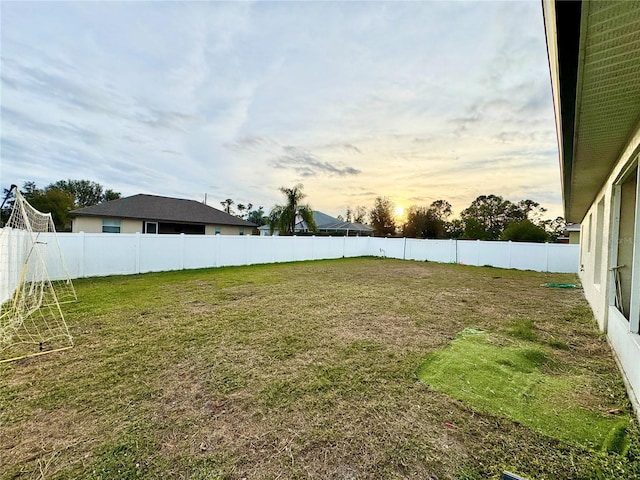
573	232
152	214
327	225
570	234
594	57
265	231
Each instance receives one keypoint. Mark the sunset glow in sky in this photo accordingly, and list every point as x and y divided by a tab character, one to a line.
414	101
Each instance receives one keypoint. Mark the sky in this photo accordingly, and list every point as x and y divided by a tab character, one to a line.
413	101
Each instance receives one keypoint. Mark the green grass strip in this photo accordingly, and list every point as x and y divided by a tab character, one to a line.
511	382
560	285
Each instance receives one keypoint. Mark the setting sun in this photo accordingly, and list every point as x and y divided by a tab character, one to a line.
399	211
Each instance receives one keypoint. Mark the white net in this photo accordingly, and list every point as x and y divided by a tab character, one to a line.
33	283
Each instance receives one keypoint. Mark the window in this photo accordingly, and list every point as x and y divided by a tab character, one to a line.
597	269
165	228
625	273
241	231
217	230
110	225
151	227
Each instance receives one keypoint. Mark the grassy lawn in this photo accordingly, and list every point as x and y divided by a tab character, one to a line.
346	369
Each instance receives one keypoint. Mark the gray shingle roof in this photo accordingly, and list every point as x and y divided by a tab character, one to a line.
163	209
328	223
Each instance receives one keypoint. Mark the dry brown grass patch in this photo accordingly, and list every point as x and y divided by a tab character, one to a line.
302	370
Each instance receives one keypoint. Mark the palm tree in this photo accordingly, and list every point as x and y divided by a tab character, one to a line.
257	217
284	217
227	205
241	208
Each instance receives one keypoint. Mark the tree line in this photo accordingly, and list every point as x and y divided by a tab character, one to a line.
245	211
282	217
59	198
489	217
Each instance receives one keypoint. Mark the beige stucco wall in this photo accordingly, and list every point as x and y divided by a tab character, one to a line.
226	230
574	238
94	225
130	226
86	224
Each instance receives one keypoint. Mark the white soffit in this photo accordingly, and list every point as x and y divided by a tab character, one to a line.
608	97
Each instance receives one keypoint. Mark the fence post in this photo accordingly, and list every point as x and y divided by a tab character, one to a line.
182	247
211	261
510	255
82	256
478	253
136	261
246	249
546	256
273	248
217	250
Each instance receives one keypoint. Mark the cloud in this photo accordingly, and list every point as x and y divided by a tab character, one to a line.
346	147
419	100
155	118
364	193
251	143
29	125
61	85
351	148
465	123
306	164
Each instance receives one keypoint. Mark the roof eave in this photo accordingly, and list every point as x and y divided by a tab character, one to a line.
563	25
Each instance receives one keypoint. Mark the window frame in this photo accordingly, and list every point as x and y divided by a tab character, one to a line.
146	228
111	225
634	295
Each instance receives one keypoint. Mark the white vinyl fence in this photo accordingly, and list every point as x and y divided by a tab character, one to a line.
12	255
100	254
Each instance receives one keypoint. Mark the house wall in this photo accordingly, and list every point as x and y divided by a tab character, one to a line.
601	242
574	238
86	224
94	225
129	226
226	230
594	254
